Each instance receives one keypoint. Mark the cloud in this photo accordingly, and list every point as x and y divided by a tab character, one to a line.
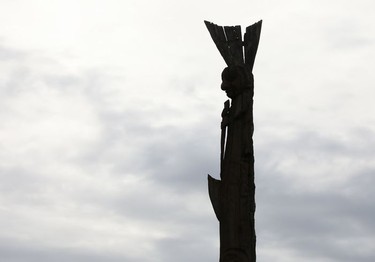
18	251
78	169
107	138
320	202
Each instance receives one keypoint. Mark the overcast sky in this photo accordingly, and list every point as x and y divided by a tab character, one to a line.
110	114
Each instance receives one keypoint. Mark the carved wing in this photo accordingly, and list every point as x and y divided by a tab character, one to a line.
251	42
228	40
214	193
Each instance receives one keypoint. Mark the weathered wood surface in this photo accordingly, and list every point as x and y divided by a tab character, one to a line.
228	40
251	40
233	196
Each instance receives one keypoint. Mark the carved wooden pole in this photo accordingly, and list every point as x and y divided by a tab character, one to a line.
233	197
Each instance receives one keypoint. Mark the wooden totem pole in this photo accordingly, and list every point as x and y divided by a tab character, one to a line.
233	197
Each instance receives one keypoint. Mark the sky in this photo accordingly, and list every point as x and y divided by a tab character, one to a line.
110	123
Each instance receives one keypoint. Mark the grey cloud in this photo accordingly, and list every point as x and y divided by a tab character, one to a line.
171	160
328	224
191	247
170	155
10	54
314	225
14	251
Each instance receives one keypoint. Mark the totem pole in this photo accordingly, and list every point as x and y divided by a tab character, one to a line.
233	197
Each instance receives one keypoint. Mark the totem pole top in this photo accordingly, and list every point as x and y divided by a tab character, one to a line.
233	196
233	49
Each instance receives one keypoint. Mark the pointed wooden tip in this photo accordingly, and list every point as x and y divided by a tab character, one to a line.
208	23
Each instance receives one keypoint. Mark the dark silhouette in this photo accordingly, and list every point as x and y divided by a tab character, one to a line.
233	197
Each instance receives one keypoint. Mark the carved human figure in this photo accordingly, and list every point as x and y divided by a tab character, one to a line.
237	187
233	195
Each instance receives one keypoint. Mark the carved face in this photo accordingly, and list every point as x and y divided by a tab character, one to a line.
234	80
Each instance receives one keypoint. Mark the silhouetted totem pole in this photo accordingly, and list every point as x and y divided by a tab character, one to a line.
233	197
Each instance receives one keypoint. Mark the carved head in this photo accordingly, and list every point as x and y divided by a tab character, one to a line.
236	79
